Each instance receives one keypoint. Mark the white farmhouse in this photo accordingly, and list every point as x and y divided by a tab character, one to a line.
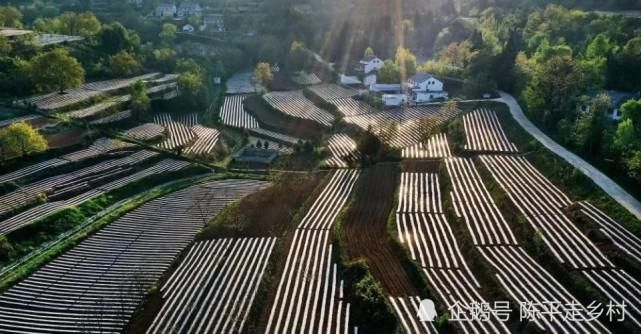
617	99
424	87
369	64
188	8
165	10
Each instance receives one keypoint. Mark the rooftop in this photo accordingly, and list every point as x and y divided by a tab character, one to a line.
420	77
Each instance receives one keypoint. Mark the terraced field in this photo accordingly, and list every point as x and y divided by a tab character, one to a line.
423	228
309	296
41	211
184	131
404	122
97	285
541	203
233	114
69	183
214	288
483	132
99	147
89	90
295	104
177	135
436	147
520	276
147	131
329	92
342	150
620	236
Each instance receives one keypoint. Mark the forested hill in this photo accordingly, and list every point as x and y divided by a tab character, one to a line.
611	5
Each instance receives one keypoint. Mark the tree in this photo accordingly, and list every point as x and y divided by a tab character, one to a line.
16	77
19	139
184	65
165	59
57	69
114	38
386	131
634	165
625	136
5	46
552	92
124	64
69	23
270	49
368	145
83	24
263	74
457	54
368	53
589	126
168	33
194	20
632	110
190	83
10	17
140	102
296	56
406	62
389	73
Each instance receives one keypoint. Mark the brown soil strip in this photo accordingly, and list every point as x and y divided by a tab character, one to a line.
365	230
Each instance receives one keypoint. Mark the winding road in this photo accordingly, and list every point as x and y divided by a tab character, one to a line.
619	194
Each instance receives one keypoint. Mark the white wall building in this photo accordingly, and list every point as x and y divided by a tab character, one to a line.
188	8
424	87
425	82
369	64
165	10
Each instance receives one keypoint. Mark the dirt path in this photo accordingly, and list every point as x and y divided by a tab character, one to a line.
365	228
614	190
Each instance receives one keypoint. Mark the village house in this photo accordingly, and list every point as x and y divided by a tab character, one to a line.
188	8
165	10
424	87
617	99
369	64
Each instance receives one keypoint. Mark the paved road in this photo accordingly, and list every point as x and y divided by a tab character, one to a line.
609	186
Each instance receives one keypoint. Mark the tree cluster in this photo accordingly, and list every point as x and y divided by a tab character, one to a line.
560	62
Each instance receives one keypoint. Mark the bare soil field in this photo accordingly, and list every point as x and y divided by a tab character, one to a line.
365	230
64	139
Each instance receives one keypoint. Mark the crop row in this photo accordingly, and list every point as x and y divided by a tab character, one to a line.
213	289
233	113
483	132
436	147
295	104
342	149
97	285
518	274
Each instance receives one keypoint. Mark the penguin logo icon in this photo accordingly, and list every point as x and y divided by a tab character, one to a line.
427	311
